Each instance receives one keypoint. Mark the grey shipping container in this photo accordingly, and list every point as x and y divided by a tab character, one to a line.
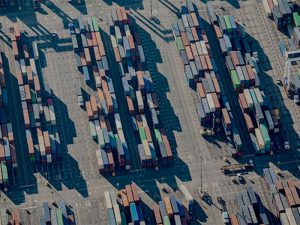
180	25
229	63
194	69
222	45
175	29
162	208
253	215
296	215
246	198
240	58
247	215
252	196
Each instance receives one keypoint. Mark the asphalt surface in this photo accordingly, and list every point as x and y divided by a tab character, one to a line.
76	178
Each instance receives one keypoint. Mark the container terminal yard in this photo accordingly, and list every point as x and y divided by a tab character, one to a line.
149	112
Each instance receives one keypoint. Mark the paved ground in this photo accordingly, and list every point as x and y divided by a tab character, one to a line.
76	179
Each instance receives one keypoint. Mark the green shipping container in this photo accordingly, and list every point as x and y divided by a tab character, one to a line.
157	135
59	217
142	134
101	139
228	24
179	43
166	220
32	159
33	96
112	139
235	80
123	218
95	24
4	172
296	19
266	137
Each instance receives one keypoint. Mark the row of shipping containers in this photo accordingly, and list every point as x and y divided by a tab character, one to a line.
281	11
201	71
139	92
125	207
261	116
250	209
42	137
102	108
60	215
8	156
285	196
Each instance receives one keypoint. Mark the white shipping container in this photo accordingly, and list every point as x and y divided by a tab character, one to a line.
41	109
259	138
107	200
275	2
267	8
283	219
22	93
33	67
36	111
49	158
203	47
139	100
186	193
23	66
259	96
98	81
118	121
52	115
113	41
199	48
248	98
99	159
35	50
146	149
121	135
113	198
150	101
47	114
24	105
185	21
210	102
6	147
117	214
290	216
127	30
144	120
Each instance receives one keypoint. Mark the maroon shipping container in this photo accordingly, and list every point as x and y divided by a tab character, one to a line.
157	216
117	55
139	121
130	105
184	39
155	101
135	192
2	152
251	75
25	50
200	90
87	56
195	34
249	123
195	19
289	196
234	58
89	39
218	31
47	142
2	78
88	109
243	102
94	39
167	144
13	153
129	193
189	53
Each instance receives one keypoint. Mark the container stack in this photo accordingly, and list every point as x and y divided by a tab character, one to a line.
249	209
59	215
138	89
285	196
296	31
201	70
261	117
281	11
42	137
104	120
7	143
128	208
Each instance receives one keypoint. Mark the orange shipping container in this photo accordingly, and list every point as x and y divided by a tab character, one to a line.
101	50
135	192
15	49
47	142
131	43
184	39
189	53
2	152
93	105
119	14
30	145
27	93
17	31
195	34
200	90
20	78
167	202
29	75
289	196
208	61
124	198
130	105
243	102
157	215
117	54
140	79
234	58
97	54
102	73
129	193
37	86
148	134
195	19
226	117
249	123
98	38
109	102
194	50
26	118
89	110
294	192
203	62
279	185
204	36
216	101
234	220
216	85
251	74
271	5
124	15
218	31
87	56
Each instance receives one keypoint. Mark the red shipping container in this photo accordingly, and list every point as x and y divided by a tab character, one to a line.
208	61
216	101
243	102
2	78
98	38
218	31
27	93
101	49
109	102
47	142
17	31
279	185
289	196
94	105
89	39
203	62
234	220
294	192
2	152
216	85
15	49
30	145
194	50
129	193
140	80
97	54
131	43
82	58
195	34
249	123
234	58
20	78
157	215
204	36
271	5
94	39
251	74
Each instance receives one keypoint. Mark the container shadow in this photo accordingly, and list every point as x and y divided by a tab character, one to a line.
81	7
137	4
